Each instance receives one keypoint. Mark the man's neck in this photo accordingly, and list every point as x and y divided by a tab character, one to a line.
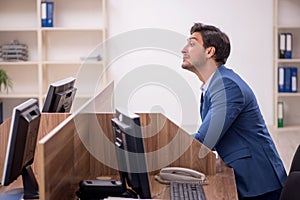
205	72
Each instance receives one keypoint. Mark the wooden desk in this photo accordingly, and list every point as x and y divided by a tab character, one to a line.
221	186
58	175
62	160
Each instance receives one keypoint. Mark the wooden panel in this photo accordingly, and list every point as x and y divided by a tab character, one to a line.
165	145
169	145
4	133
104	163
57	163
65	159
48	122
81	155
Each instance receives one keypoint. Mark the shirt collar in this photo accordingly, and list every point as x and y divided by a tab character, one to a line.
205	85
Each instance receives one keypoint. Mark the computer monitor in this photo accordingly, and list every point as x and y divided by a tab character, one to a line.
130	152
21	147
60	96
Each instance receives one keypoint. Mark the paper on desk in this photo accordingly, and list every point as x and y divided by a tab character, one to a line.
118	198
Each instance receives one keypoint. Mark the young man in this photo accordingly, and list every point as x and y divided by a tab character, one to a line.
232	122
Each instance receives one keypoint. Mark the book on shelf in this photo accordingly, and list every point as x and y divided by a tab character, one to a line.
287	79
285	44
280	114
47	9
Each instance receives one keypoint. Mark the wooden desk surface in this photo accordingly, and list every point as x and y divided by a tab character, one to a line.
221	186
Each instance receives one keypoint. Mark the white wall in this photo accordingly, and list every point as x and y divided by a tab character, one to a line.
248	23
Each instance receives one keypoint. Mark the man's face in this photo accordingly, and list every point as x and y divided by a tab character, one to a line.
194	56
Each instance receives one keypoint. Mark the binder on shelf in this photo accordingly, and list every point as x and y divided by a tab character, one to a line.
294	79
281	86
47	13
280	114
289	45
287	79
282	46
285	44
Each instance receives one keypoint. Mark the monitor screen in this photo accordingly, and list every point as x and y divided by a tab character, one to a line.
60	96
21	147
131	158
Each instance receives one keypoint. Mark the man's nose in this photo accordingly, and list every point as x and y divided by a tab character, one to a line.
184	50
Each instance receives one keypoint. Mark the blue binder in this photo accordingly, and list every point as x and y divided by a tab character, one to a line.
289	45
285	45
282	46
47	13
287	79
294	79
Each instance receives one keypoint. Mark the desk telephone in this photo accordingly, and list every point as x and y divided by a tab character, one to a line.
180	174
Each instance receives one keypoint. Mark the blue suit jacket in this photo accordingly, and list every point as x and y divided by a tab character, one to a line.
233	125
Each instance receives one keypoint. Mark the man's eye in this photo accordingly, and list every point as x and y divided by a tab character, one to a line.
192	44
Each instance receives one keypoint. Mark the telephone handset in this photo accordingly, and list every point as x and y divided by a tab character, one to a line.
180	174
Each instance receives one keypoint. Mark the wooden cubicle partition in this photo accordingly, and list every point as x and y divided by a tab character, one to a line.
82	147
4	134
65	159
57	162
166	144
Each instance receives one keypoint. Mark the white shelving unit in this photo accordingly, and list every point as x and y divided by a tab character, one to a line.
286	19
54	52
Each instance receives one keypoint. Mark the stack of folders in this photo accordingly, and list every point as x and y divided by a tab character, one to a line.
287	79
14	52
47	14
285	45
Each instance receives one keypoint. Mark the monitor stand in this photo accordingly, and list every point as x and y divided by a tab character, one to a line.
30	190
31	187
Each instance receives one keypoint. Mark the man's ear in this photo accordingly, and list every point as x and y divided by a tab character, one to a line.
210	51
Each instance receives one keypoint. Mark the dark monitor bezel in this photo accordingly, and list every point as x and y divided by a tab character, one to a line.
130	151
21	147
60	96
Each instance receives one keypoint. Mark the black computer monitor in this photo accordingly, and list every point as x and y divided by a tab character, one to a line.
130	153
21	147
60	96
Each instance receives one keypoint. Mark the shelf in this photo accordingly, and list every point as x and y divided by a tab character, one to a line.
287	13
3	95
287	128
72	62
2	63
71	29
62	62
18	29
294	60
287	27
286	20
54	53
16	13
283	94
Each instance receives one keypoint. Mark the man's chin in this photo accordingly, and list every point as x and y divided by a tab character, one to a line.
186	66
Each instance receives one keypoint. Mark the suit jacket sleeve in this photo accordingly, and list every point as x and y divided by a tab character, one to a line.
223	102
